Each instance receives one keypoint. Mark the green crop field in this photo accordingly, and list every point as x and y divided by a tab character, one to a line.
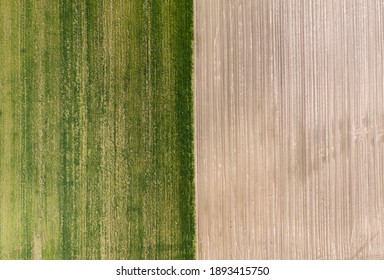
96	129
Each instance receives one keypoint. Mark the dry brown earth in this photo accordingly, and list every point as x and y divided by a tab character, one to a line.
289	129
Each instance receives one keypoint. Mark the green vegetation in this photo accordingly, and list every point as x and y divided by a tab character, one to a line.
96	129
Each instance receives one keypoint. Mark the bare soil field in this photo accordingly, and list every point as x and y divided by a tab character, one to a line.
289	129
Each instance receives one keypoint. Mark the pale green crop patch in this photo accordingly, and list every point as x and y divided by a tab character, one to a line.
96	130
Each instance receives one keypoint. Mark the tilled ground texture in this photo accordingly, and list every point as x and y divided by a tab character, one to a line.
290	129
96	130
